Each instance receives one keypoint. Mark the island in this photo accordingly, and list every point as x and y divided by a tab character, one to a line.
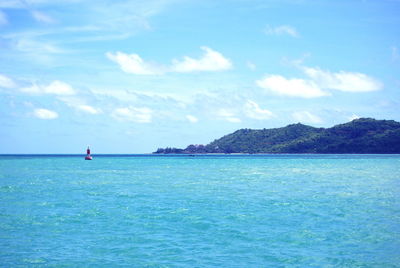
360	136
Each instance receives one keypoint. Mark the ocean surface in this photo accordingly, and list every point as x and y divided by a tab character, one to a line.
200	211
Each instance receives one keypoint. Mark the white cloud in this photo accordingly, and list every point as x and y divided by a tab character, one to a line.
3	18
306	117
291	87
343	81
45	114
225	113
233	119
228	116
6	82
56	88
120	95
133	114
211	61
115	20
353	117
33	89
36	47
192	119
281	30
80	105
59	88
88	109
318	83
30	46
134	64
253	110
41	17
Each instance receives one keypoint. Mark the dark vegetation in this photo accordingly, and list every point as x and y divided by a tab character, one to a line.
364	135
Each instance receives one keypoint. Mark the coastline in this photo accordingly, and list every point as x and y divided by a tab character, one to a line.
197	155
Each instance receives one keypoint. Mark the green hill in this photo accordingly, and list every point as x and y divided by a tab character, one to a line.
364	135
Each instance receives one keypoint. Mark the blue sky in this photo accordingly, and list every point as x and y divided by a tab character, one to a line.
132	76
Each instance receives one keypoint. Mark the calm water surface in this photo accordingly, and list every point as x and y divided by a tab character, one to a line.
202	211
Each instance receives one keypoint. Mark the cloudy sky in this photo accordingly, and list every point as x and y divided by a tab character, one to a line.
132	76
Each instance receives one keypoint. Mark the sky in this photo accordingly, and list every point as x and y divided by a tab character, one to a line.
131	76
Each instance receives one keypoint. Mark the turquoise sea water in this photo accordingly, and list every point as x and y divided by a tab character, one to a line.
202	211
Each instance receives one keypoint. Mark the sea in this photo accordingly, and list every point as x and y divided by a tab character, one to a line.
200	211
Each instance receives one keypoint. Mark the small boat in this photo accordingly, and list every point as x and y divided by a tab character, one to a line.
88	156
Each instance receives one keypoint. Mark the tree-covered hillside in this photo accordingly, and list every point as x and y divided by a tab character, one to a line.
364	135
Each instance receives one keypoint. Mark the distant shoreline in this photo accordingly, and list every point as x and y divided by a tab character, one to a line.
360	136
187	154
